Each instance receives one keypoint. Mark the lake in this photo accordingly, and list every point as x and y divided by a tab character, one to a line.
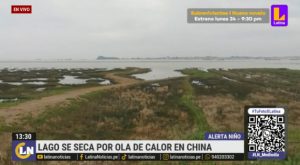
160	68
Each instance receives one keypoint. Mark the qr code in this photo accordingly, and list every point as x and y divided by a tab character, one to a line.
266	133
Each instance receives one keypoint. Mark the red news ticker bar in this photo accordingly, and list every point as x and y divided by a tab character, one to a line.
21	9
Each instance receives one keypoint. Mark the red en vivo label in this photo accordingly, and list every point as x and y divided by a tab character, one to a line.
21	9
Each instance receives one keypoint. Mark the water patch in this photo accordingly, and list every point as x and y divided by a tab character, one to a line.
8	100
105	82
14	83
21	83
229	79
97	79
40	89
158	73
248	76
35	83
197	82
72	80
35	79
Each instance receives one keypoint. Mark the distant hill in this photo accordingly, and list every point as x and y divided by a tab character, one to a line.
106	58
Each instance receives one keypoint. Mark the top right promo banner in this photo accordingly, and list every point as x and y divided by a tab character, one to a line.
278	15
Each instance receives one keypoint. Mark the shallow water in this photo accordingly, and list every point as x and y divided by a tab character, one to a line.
160	68
21	83
229	79
35	79
8	100
40	89
35	83
14	83
72	80
105	82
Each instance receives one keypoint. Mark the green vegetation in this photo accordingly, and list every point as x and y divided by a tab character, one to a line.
130	71
214	83
194	72
199	117
111	114
187	100
233	89
39	83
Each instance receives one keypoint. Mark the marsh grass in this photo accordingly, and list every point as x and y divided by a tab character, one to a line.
114	115
252	87
180	111
28	92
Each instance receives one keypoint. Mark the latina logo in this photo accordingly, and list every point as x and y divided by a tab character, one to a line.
24	150
279	15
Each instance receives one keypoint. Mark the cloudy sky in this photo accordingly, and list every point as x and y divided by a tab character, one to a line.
81	29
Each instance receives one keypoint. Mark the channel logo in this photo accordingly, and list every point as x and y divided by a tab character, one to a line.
23	150
279	15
